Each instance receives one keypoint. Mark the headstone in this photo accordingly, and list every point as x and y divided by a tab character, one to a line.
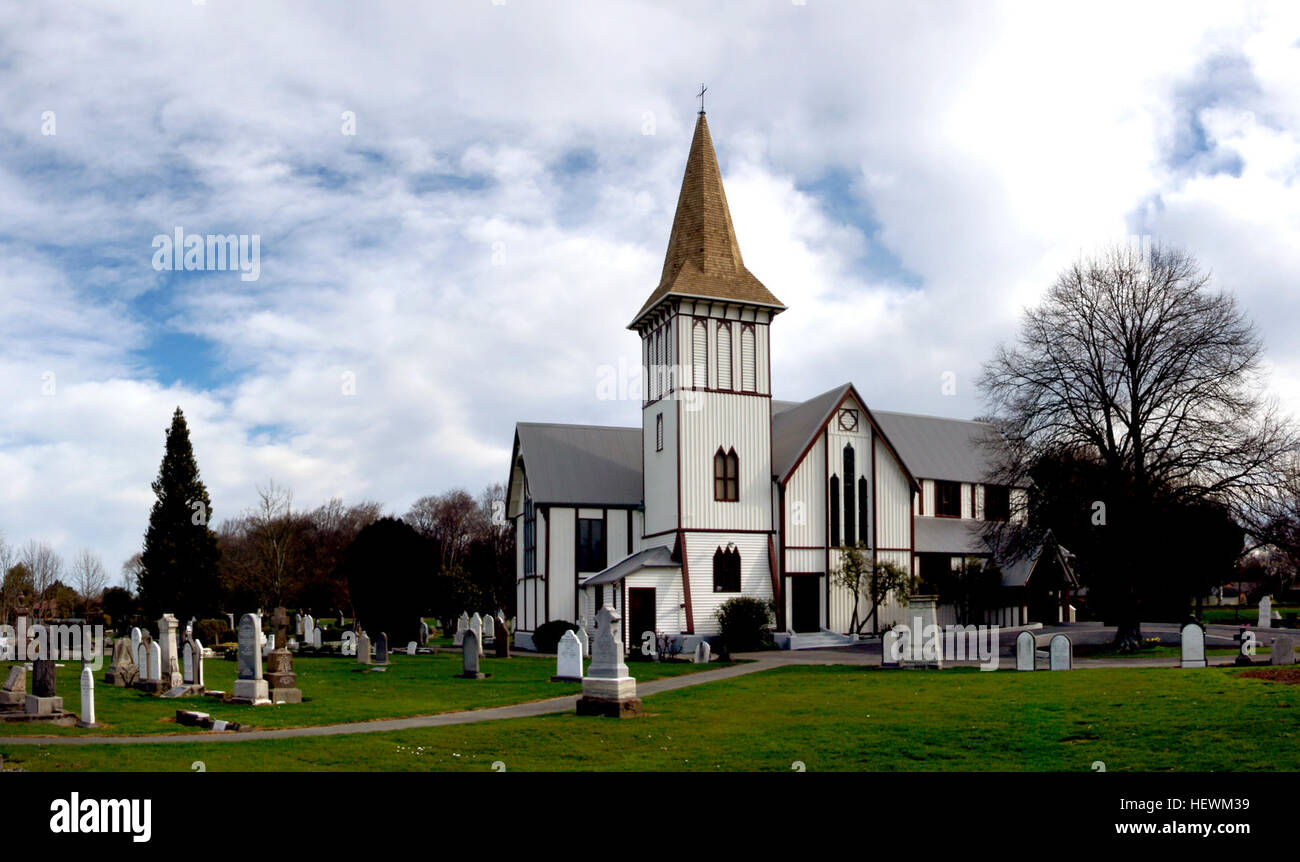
298	624
135	641
889	649
44	699
424	632
411	647
462	626
703	652
317	637
1193	645
308	627
1266	612
187	663
87	698
250	687
280	677
155	662
1061	653
363	649
921	650
476	626
585	640
266	644
502	639
381	649
142	660
470	652
608	689
568	659
170	655
1283	650
122	672
1026	651
14	691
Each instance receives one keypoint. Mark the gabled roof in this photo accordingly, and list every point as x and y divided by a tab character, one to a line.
938	448
1018	572
658	557
580	464
795	427
703	258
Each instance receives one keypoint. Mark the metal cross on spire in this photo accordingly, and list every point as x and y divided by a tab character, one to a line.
700	96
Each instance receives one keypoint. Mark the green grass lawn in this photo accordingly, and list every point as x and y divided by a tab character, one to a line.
828	718
333	693
1232	614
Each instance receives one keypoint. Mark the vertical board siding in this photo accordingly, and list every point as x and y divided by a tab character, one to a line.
659	469
615	536
894	499
561	577
727	421
805	502
755	574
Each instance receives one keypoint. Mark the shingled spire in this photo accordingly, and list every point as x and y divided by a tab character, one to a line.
703	259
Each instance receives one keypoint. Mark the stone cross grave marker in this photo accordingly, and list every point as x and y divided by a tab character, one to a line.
1026	651
608	689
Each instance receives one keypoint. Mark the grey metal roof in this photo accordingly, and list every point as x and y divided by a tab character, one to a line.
581	464
949	536
794	425
658	557
1018	573
937	448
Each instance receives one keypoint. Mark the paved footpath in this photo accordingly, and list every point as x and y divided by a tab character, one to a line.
518	710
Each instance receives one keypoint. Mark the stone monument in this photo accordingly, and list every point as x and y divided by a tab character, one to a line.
87	698
471	651
1026	651
568	659
1265	613
1193	646
1283	651
1060	652
608	689
250	687
281	679
122	672
170	657
462	626
502	639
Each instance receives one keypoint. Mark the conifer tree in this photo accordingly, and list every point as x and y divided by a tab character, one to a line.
178	572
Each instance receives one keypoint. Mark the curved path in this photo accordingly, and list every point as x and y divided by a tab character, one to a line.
517	710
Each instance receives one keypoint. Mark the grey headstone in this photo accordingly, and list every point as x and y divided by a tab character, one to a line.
1193	646
43	678
1061	653
703	652
1283	651
585	640
462	626
470	651
17	679
1026	651
250	662
1266	612
381	649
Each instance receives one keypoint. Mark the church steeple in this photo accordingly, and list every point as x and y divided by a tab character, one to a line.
703	258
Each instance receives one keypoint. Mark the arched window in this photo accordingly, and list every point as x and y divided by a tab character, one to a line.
747	359
726	476
724	356
700	354
835	511
850	511
726	570
864	506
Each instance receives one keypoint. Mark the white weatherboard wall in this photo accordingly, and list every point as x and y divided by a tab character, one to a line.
660	467
727	421
560	578
805	505
894	502
755	574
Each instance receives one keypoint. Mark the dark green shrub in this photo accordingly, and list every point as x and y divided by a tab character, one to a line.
746	624
547	637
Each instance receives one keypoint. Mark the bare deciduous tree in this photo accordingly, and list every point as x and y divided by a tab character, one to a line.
45	567
88	576
1134	360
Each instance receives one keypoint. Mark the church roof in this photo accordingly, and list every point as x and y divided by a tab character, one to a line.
581	464
938	448
795	424
658	557
703	258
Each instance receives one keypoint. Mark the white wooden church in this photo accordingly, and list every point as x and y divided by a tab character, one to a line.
724	491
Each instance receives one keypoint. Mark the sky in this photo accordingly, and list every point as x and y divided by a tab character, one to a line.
458	207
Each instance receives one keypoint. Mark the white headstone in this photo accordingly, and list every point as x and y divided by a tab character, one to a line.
317	637
308	627
87	696
411	647
476	626
1193	640
168	627
142	659
155	662
298	624
363	649
703	652
462	626
1061	653
198	661
187	663
585	640
1283	651
568	658
471	650
1026	646
1266	613
135	641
